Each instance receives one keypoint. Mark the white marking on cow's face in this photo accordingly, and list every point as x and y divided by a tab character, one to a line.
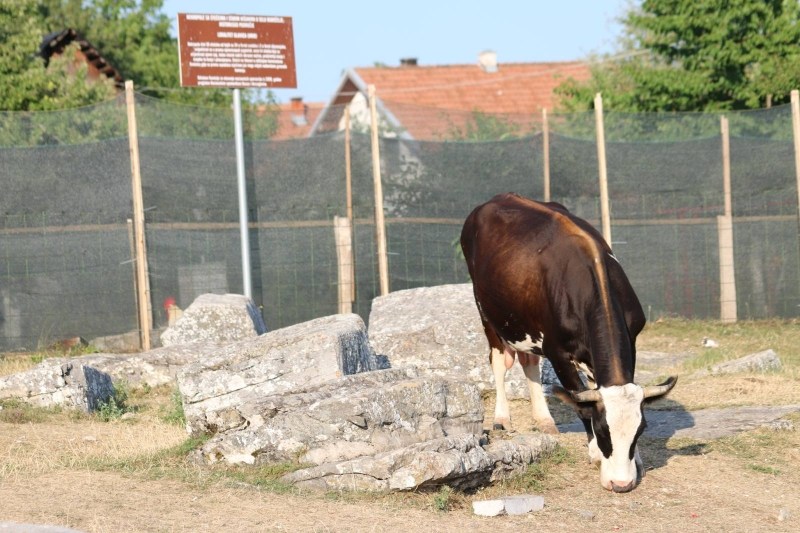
595	455
623	417
526	345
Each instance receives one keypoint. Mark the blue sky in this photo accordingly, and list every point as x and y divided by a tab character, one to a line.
332	36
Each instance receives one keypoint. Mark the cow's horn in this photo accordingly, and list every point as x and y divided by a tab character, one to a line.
660	390
591	395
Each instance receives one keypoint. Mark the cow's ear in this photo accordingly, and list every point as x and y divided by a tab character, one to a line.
583	408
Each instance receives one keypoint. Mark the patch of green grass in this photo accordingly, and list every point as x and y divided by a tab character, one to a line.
441	499
186	447
173	412
763	469
749	445
19	412
265	477
116	405
763	450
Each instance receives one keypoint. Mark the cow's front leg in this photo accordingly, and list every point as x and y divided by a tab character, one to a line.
501	360
542	418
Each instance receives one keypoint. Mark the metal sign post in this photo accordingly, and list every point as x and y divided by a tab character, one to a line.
237	51
244	229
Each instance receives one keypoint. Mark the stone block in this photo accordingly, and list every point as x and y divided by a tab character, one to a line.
351	417
217	318
439	329
59	382
459	461
278	362
766	361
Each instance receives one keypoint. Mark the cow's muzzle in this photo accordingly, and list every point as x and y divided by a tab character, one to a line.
623	488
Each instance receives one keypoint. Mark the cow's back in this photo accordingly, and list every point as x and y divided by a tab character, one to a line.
536	264
507	243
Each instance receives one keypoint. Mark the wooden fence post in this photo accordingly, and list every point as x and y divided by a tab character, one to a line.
344	256
605	210
348	174
144	305
546	154
727	278
380	224
795	96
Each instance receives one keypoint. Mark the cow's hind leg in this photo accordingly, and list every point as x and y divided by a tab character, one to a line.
502	360
542	418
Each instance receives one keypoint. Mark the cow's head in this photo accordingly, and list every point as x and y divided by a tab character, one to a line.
617	420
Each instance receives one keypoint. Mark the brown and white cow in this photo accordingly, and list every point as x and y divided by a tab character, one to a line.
546	283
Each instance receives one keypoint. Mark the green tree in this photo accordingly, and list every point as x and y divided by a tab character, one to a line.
699	55
484	127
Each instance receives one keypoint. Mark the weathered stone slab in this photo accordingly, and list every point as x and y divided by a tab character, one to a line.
439	329
59	382
216	318
512	456
459	461
284	360
154	368
351	417
766	361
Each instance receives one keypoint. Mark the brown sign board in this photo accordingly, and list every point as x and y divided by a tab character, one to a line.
236	51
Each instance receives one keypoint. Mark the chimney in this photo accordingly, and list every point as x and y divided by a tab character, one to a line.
298	111
408	62
487	60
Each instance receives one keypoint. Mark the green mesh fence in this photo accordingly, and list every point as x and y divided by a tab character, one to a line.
65	244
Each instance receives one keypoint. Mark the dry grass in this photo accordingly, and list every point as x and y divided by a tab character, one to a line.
35	441
13	362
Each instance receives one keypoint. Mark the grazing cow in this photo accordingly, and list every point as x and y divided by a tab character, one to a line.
546	283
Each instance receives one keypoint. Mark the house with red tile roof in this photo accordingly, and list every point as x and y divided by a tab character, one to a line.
296	118
434	102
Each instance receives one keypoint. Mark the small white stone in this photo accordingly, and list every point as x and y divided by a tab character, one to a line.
488	507
784	515
516	505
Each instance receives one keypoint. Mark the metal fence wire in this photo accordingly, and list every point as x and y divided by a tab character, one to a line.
66	266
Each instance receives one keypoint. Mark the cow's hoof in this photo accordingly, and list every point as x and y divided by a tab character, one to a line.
502	424
550	429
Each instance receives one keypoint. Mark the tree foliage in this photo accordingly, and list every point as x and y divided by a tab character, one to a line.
484	127
699	55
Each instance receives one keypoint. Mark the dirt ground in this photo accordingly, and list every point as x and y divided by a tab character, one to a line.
49	474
